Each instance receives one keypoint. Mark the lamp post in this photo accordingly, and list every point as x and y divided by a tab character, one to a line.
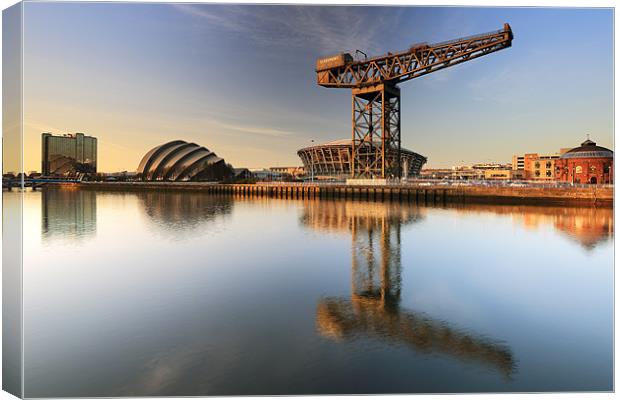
312	165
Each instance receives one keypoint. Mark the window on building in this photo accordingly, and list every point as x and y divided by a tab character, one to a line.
606	169
537	164
548	173
548	164
537	173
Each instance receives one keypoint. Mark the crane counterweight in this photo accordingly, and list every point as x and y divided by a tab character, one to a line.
335	61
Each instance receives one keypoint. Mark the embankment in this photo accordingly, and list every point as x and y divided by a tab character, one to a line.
599	196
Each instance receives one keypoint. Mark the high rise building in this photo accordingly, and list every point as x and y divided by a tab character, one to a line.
68	154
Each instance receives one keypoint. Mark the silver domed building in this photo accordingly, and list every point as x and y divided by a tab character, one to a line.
182	161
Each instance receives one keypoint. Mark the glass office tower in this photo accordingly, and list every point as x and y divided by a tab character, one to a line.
68	154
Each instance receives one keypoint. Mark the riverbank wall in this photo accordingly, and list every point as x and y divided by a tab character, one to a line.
598	196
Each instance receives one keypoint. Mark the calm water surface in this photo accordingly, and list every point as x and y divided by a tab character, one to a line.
151	293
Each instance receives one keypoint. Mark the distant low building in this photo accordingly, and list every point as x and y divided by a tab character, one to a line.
504	174
268	175
119	176
294	172
435	173
68	154
487	166
454	173
242	173
467	172
490	171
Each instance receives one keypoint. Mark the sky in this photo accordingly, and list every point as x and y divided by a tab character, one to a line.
240	80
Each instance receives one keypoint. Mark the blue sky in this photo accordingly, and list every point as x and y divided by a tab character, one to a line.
240	79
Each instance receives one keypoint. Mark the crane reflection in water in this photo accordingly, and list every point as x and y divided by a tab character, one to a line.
373	309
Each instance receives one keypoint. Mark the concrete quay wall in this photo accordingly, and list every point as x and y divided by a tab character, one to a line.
600	196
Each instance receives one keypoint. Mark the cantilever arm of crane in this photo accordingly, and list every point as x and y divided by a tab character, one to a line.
417	61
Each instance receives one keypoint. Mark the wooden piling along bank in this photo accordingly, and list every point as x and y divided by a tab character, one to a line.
600	196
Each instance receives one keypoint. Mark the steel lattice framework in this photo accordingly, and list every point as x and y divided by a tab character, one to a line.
376	97
376	128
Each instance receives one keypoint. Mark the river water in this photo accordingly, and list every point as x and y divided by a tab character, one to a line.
155	293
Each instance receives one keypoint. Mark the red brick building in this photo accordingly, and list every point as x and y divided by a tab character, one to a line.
587	163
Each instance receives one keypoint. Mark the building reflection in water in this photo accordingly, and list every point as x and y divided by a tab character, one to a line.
67	212
183	212
373	309
588	226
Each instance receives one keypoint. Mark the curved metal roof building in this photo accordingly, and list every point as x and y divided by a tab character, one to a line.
181	161
333	159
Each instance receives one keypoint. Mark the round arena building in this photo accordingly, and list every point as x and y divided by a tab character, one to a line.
333	160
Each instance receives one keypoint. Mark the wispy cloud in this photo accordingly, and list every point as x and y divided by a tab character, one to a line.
253	130
324	29
218	122
504	85
112	145
39	127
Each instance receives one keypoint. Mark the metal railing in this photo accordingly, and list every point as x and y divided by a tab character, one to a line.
470	37
395	183
304	183
450	183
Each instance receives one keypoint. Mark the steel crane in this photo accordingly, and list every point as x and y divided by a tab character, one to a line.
376	95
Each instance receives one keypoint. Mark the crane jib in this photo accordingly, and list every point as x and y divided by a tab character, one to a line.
341	70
